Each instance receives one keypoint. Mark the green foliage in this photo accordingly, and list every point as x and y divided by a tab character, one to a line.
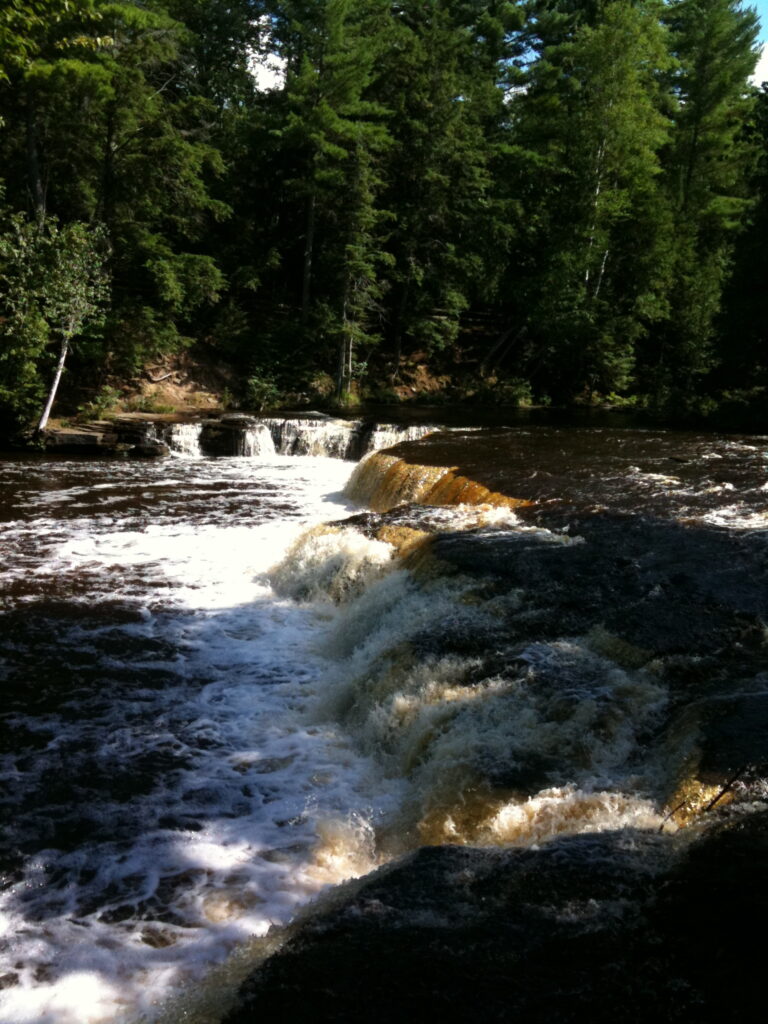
53	286
509	391
587	180
593	119
706	171
262	392
105	399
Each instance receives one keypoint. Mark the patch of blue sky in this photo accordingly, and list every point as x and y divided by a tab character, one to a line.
761	6
761	71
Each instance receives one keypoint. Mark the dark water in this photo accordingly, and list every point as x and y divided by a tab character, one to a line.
188	753
568	471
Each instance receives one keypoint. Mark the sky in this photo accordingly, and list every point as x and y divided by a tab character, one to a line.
269	73
761	71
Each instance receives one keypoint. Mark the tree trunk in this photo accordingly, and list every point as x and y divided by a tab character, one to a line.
397	340
595	202
34	174
601	274
55	385
344	378
107	200
309	244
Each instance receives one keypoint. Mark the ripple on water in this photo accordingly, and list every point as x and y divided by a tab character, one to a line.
151	678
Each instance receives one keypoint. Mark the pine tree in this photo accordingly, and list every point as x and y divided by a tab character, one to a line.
743	327
440	88
706	171
111	75
592	124
334	136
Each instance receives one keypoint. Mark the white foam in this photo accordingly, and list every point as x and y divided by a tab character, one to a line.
257	440
183	439
245	812
737	517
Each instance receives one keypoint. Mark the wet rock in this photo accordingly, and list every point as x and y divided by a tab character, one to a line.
460	934
218	438
150	450
710	919
133	431
734	734
620	926
91	439
721	748
655	585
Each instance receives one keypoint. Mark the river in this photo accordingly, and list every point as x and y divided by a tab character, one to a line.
214	707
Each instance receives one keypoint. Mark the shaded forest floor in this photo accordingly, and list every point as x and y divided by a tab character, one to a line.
449	387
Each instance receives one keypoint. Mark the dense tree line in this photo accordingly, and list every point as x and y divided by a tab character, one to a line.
568	196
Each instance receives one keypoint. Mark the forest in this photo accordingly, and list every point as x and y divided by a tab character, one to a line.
545	201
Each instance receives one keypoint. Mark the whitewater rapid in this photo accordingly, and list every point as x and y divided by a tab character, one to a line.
165	796
223	695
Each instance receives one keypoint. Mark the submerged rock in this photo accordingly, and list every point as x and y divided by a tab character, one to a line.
654	584
150	450
721	747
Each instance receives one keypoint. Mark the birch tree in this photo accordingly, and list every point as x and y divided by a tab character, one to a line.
54	286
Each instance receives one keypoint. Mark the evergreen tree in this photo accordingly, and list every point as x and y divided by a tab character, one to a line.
743	327
706	170
442	91
330	141
109	75
593	126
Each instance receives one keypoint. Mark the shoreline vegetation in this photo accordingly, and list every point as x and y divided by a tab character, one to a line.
540	204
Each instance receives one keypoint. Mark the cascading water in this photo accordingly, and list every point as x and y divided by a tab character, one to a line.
183	438
257	440
307	436
252	437
162	795
227	688
383	435
341	439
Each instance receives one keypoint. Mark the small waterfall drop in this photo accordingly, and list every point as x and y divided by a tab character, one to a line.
183	438
338	439
314	436
384	435
256	439
251	436
383	480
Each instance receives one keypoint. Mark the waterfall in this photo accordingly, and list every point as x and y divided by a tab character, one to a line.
183	438
256	440
382	481
227	688
315	436
384	435
339	439
250	436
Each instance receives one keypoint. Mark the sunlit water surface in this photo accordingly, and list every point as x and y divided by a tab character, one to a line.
171	780
162	795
